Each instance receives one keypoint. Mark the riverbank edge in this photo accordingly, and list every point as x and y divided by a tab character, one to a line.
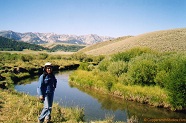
14	76
154	96
130	97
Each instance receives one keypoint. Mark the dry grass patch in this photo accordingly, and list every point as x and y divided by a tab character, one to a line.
22	108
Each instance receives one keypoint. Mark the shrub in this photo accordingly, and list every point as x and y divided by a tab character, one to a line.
91	67
9	56
176	84
161	78
126	56
43	56
97	59
53	57
142	72
117	68
165	66
125	79
79	56
26	58
86	66
107	79
103	65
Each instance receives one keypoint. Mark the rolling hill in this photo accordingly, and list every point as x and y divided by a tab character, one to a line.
101	44
165	40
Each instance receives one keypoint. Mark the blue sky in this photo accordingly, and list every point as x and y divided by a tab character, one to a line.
103	17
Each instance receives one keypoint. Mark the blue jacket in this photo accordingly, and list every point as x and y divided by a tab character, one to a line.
46	85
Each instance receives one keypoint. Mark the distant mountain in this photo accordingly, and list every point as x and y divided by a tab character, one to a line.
40	38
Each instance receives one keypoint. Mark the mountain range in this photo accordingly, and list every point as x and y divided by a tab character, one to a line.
41	38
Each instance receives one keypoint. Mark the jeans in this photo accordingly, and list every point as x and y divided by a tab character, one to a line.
47	109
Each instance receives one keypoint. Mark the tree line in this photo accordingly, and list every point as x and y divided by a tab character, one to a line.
12	45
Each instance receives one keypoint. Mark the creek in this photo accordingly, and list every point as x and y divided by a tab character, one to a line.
98	106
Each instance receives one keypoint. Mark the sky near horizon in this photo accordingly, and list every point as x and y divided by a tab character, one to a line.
102	17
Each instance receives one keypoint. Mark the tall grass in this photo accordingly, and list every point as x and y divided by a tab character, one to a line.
152	95
22	108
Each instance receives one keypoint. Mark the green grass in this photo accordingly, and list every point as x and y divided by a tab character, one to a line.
152	95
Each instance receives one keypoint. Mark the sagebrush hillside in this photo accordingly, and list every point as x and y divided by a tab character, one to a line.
166	40
101	44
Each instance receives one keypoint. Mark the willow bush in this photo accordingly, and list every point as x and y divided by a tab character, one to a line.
172	71
103	65
142	67
128	55
84	66
118	68
43	56
142	72
9	56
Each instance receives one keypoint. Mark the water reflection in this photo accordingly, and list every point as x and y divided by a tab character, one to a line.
97	106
